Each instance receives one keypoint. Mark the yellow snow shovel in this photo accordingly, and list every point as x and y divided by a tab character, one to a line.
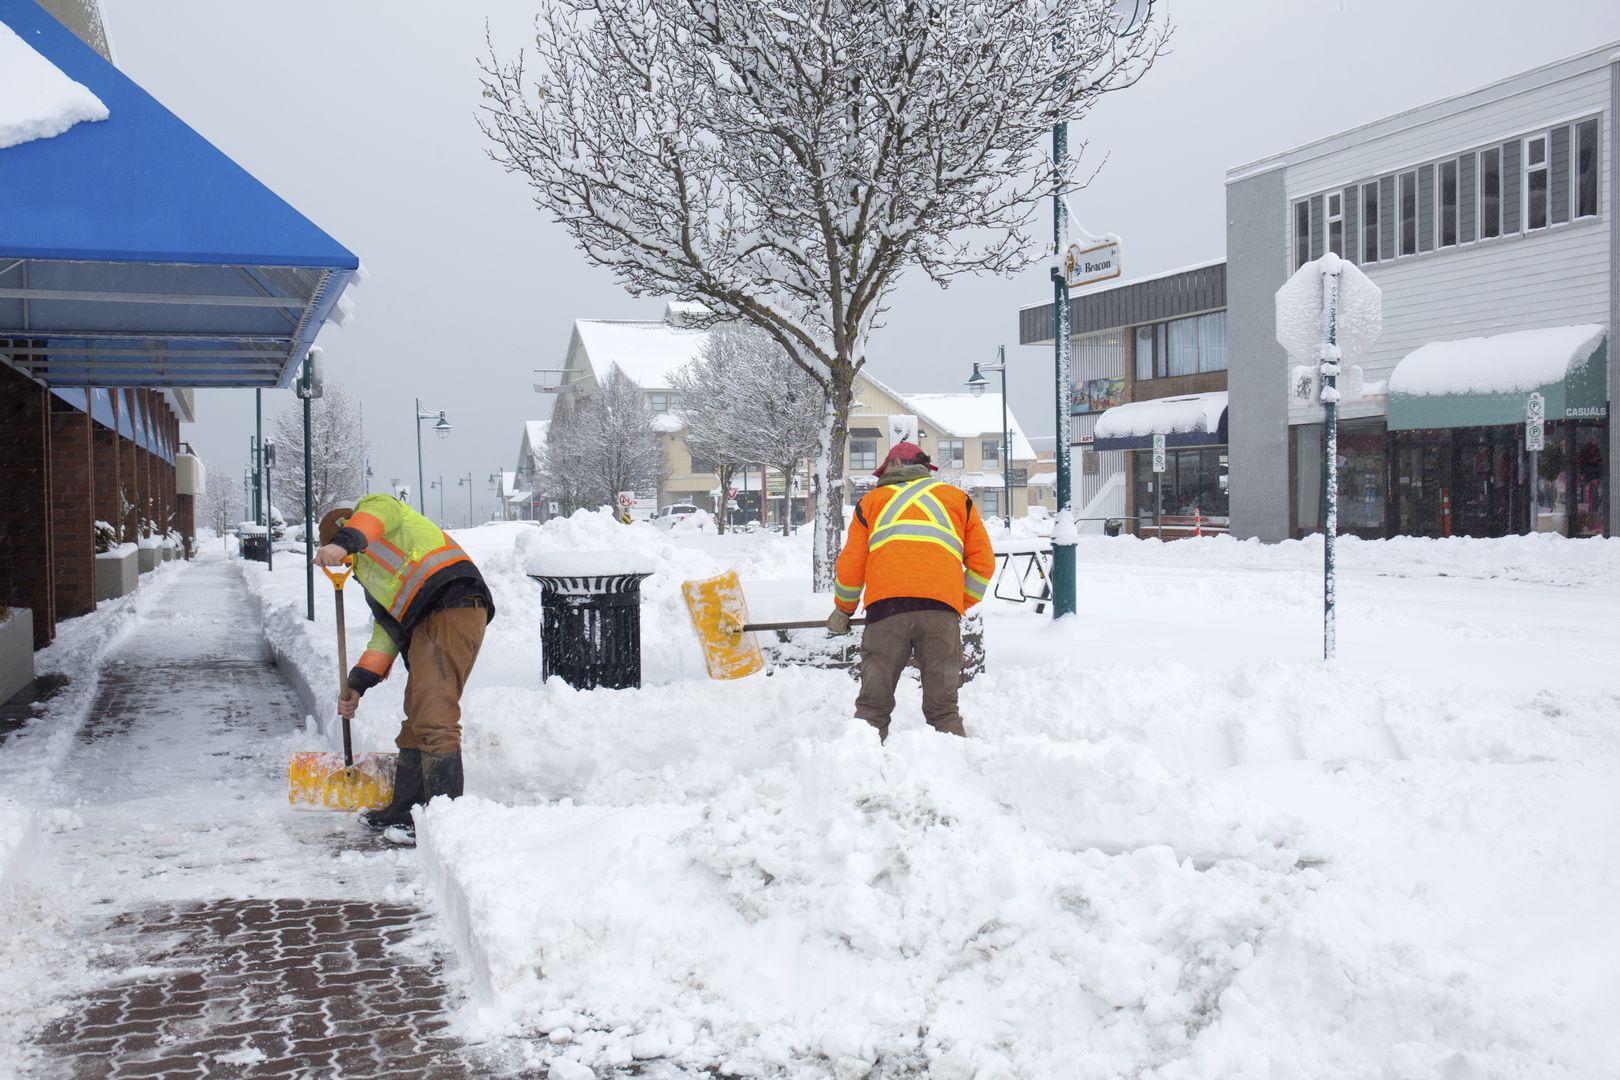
720	617
323	780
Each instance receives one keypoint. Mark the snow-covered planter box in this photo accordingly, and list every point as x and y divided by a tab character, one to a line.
151	553
16	650
116	572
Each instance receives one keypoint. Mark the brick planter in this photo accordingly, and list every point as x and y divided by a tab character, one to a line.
16	651
116	574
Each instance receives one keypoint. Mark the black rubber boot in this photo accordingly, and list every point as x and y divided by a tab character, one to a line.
407	793
441	775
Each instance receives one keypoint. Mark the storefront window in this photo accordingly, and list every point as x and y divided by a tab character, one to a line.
1193	479
1588	502
1363	469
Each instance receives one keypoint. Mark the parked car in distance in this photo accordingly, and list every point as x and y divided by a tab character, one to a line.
668	517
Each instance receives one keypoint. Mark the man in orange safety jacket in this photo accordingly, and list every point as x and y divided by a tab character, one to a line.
921	555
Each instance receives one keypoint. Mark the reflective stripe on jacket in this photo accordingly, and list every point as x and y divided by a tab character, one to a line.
916	538
404	551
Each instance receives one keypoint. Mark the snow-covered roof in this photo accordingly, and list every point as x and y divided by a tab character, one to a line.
37	101
1192	414
667	423
1517	362
1042	479
508	481
648	351
963	416
679	312
519	496
535	430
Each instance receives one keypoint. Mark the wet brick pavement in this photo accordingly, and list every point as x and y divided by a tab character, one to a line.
249	986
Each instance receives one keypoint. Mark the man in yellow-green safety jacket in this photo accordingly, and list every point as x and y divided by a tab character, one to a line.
428	604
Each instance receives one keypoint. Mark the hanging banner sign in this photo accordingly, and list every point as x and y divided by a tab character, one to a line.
1092	261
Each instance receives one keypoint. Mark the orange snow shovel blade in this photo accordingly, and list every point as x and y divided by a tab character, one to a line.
318	780
326	779
719	614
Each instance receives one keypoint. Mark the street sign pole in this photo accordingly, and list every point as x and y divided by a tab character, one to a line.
1159	462
1535	441
1330	457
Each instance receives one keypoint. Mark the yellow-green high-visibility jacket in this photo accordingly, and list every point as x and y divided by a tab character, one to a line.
408	567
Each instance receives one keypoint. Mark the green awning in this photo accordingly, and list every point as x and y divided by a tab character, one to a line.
1484	382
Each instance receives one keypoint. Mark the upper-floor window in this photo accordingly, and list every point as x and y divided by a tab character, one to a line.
1335	222
1490	192
990	452
1369	222
1181	346
1448	203
661	401
1537	189
952	454
1302	233
1408	213
863	453
1586	168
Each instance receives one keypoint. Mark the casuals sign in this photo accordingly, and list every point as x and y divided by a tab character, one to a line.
1158	454
1092	261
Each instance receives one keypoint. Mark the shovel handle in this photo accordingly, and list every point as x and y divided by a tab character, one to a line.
803	624
337	579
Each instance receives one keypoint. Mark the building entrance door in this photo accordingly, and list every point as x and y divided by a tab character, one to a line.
1422	474
1486	495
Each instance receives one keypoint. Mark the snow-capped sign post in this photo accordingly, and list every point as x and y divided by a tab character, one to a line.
1330	312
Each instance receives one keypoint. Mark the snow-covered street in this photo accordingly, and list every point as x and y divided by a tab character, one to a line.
1177	844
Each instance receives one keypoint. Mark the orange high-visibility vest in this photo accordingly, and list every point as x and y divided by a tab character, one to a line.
920	539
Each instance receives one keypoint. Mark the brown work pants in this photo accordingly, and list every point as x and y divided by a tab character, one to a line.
935	638
443	648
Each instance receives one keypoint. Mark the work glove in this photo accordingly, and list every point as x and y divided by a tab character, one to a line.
838	622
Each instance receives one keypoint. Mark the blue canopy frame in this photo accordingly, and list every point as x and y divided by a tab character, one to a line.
133	252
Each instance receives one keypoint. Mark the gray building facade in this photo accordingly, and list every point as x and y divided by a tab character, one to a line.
1489	221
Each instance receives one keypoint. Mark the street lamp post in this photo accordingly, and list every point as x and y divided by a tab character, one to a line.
466	481
976	383
442	430
269	453
439	483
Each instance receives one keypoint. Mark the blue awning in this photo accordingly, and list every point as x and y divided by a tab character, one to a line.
134	253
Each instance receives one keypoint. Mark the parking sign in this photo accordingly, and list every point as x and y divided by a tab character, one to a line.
1158	453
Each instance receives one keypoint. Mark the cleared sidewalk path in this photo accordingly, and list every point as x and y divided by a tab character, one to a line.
213	931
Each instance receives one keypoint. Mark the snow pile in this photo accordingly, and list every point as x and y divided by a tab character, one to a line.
37	101
18	837
949	908
1513	363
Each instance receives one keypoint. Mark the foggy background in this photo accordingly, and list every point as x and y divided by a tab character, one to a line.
361	115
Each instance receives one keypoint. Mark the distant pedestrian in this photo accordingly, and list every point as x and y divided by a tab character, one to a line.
920	553
430	605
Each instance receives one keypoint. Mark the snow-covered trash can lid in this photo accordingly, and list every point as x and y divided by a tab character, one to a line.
586	570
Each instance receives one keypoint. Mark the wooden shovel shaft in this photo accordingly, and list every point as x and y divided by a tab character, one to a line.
805	624
343	674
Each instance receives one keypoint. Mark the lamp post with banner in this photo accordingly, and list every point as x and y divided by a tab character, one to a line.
310	386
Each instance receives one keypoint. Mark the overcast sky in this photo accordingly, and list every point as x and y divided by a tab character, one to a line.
360	114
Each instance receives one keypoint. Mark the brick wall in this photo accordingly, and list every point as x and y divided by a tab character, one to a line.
73	519
107	446
25	542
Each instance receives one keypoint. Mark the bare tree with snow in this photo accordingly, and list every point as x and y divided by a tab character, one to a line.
603	443
744	400
338	444
786	162
221	505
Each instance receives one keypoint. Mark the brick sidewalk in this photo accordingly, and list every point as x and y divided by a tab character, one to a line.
179	774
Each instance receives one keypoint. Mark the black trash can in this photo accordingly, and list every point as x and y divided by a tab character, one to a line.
256	546
590	622
1111	528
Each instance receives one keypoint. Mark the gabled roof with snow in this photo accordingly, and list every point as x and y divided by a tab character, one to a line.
508	481
648	351
963	416
534	435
